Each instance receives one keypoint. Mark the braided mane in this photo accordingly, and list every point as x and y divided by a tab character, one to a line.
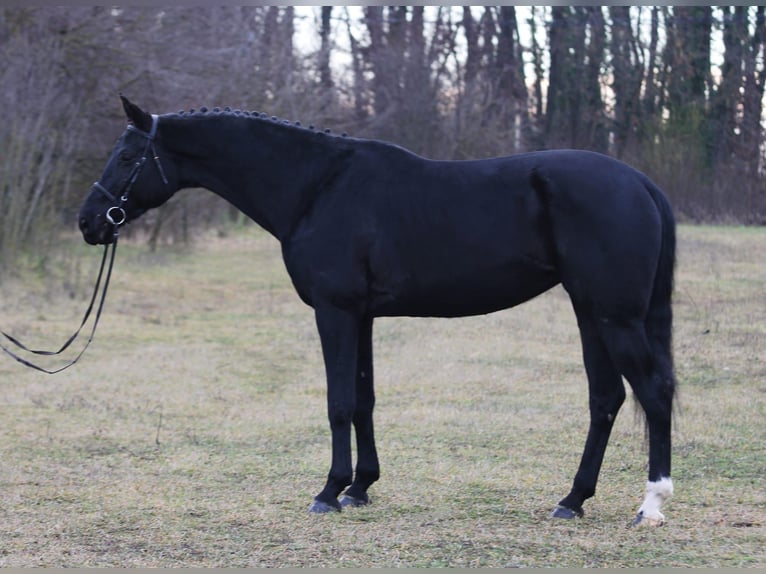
227	111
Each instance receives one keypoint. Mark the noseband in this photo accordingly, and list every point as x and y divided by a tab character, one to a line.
116	214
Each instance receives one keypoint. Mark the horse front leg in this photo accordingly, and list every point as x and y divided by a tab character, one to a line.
339	335
367	466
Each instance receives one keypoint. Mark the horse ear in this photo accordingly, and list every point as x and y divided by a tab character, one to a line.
136	115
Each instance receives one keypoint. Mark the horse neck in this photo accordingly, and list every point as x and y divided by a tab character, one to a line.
269	171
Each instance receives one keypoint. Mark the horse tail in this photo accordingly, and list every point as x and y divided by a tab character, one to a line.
659	318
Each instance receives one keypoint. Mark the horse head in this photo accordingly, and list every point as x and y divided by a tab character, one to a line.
134	180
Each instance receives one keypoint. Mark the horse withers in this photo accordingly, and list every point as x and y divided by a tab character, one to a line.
369	229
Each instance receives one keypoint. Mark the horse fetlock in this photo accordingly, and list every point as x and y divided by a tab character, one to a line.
657	493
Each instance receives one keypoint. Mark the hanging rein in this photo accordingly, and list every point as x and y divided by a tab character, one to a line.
117	217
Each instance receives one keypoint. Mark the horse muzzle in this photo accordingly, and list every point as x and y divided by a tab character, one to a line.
100	232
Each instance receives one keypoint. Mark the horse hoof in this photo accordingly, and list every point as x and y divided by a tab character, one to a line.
320	507
347	500
651	521
567	513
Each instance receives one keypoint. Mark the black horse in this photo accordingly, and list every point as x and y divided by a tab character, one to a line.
369	229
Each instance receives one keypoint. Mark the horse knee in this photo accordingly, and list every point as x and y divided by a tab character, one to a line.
340	415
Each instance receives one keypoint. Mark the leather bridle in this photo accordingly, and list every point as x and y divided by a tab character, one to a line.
116	213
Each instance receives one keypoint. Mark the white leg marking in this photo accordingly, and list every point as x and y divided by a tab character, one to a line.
656	493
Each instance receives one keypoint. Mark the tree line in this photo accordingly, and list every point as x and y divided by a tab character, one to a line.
675	91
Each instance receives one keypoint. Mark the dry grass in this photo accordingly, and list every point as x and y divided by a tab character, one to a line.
194	433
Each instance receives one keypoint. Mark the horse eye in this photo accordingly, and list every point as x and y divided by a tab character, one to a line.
126	156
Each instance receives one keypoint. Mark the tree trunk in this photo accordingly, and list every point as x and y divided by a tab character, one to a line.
752	131
473	56
627	72
511	93
323	60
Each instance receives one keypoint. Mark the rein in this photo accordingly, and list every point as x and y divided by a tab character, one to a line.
74	336
117	217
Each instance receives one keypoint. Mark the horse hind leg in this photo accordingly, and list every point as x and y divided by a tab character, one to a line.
647	367
606	395
658	397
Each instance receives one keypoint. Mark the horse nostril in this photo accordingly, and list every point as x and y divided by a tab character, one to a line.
83	224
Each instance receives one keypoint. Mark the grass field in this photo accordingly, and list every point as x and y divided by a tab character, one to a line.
194	432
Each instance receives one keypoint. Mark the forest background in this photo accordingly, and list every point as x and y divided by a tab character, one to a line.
675	91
